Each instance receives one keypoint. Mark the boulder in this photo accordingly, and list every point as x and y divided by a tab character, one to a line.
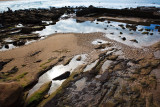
11	95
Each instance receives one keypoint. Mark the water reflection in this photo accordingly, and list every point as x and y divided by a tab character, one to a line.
132	35
56	71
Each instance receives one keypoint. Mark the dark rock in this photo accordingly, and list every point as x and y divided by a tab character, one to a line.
131	27
123	38
105	28
134	40
121	33
101	19
145	33
151	33
62	76
6	46
32	20
19	43
122	26
26	30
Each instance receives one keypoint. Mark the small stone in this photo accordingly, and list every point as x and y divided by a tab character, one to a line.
46	96
134	40
79	58
6	46
123	38
121	33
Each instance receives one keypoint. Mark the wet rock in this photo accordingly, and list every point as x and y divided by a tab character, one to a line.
30	37
11	95
79	58
27	30
124	38
131	27
102	46
148	30
134	40
151	33
6	46
62	76
121	33
19	43
36	97
122	26
101	19
112	33
31	20
140	30
145	33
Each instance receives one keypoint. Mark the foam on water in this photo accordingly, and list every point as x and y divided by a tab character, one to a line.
26	4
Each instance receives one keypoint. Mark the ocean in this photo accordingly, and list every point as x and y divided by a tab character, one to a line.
26	4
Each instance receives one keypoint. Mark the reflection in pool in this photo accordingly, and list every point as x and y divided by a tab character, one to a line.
141	36
56	71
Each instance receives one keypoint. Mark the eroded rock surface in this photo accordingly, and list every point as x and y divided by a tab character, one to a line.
11	95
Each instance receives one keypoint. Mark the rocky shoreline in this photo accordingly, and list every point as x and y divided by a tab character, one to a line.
120	76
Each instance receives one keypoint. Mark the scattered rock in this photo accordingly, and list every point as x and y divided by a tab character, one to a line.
151	33
102	46
6	46
134	40
19	43
121	33
124	38
145	33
